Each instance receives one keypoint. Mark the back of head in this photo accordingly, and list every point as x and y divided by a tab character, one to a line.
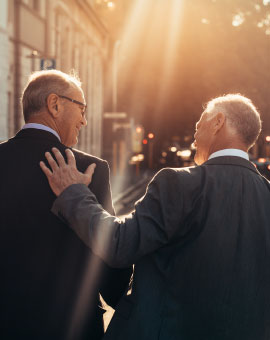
41	84
241	114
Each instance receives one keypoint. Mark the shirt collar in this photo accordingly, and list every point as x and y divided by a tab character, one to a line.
230	152
41	127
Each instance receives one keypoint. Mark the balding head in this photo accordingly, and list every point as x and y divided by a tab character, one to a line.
228	122
241	115
41	84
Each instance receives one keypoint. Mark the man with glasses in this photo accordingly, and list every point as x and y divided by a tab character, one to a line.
50	281
199	238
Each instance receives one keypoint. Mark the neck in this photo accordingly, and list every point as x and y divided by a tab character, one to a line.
229	146
44	119
228	141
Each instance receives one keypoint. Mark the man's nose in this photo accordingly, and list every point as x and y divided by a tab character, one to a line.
84	121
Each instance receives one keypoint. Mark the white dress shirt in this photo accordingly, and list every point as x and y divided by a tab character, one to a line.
229	152
41	127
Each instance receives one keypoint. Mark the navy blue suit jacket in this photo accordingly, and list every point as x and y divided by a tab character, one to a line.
50	281
200	238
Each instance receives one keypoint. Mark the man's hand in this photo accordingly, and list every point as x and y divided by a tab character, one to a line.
63	174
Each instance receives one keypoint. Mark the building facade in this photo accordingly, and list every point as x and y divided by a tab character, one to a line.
4	69
62	34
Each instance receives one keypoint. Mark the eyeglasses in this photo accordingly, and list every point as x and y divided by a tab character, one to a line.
84	106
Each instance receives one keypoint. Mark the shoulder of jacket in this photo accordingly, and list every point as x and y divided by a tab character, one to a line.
83	156
179	172
5	142
173	178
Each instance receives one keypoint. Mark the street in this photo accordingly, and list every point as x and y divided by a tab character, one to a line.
124	204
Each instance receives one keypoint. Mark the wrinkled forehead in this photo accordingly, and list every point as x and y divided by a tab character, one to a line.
204	117
205	114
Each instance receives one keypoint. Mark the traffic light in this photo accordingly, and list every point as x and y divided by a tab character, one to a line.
137	138
267	139
145	141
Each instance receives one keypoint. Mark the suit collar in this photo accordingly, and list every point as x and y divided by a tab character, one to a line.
232	160
37	134
41	127
230	152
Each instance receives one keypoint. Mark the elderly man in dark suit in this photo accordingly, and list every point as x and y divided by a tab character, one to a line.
50	281
200	237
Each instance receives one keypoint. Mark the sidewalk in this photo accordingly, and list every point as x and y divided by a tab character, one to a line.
122	185
126	190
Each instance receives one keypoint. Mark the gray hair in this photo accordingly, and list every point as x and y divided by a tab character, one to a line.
241	113
41	84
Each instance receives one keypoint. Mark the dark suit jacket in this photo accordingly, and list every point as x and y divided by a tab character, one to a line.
50	281
201	242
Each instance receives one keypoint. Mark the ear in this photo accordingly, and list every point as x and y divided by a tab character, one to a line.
219	122
53	105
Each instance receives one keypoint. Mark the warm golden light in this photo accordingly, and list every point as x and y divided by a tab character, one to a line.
111	5
137	158
238	19
261	160
159	32
184	153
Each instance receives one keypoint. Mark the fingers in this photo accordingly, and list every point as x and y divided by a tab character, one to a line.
59	157
46	170
90	170
51	161
89	173
70	158
67	172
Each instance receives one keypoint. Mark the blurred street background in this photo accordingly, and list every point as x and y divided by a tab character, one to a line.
147	67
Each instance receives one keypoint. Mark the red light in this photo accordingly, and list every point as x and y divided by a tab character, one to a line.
151	135
267	138
144	141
